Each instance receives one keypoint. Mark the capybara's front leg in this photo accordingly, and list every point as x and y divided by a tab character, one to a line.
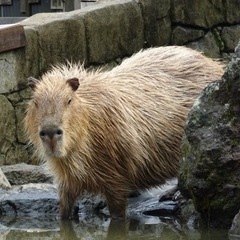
117	204
67	200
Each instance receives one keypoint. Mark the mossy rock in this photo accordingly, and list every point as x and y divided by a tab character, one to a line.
210	171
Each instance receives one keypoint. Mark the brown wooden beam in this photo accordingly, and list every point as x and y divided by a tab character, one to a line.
11	37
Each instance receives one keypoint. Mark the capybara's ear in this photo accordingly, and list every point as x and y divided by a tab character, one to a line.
74	83
32	82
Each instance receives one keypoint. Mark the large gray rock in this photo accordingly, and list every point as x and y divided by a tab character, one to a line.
22	173
4	183
29	199
210	171
59	36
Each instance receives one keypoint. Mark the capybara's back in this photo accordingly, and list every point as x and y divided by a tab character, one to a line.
115	131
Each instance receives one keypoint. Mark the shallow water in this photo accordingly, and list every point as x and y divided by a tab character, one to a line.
94	225
145	227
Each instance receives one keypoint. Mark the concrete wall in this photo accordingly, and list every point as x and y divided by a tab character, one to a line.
102	33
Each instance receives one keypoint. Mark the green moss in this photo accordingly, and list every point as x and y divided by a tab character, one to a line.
218	39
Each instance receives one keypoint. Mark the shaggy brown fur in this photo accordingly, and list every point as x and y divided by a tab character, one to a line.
119	130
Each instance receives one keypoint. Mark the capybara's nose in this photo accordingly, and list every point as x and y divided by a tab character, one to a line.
49	133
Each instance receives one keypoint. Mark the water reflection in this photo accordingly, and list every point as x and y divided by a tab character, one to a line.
136	228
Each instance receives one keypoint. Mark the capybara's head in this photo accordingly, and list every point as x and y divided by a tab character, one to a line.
50	115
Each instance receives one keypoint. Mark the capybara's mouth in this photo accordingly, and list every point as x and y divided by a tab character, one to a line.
52	145
52	149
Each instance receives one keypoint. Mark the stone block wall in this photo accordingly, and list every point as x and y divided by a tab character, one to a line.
101	33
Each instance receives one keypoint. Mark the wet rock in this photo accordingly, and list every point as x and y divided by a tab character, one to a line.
29	199
4	183
41	200
234	232
22	173
189	215
210	170
30	210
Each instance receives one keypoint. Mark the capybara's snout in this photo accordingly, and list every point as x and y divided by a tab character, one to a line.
51	137
50	133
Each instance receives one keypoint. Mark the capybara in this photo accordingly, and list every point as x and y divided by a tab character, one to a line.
115	131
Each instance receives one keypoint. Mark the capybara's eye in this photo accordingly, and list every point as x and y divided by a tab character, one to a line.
69	101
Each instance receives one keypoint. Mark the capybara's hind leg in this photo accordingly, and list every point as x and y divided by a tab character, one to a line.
117	204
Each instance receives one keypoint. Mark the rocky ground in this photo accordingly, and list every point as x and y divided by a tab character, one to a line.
29	201
29	208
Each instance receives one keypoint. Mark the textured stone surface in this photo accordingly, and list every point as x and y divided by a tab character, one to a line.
207	45
231	36
210	172
157	23
202	13
7	125
20	110
234	232
109	30
8	63
2	159
27	62
16	154
4	183
17	65
232	9
182	35
30	199
22	173
60	37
